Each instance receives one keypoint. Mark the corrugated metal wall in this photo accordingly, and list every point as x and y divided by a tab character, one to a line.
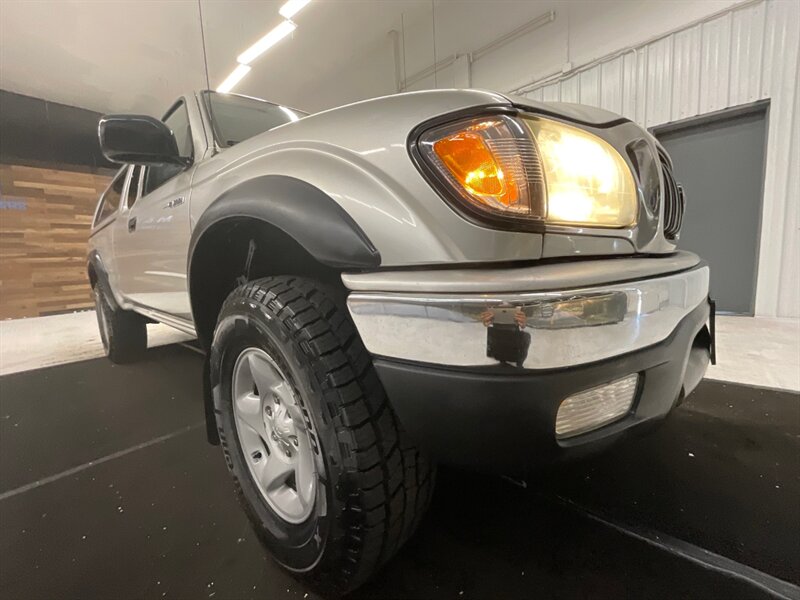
747	54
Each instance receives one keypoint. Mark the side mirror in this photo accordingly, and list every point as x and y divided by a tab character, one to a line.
139	140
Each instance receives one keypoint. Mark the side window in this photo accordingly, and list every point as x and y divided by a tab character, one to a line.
110	201
156	176
178	122
133	186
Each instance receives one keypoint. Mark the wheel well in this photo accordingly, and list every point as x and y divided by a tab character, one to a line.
92	275
240	249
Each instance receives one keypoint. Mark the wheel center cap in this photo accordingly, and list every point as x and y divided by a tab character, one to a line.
283	427
280	423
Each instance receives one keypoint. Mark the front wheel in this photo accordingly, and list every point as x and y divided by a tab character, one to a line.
320	463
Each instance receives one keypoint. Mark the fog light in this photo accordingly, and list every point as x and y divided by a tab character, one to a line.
596	407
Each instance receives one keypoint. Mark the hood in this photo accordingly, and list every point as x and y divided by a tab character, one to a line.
580	113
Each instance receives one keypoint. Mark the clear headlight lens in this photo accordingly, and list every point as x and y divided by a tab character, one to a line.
533	169
588	182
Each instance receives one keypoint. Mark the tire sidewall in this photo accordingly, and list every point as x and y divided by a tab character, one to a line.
101	311
244	324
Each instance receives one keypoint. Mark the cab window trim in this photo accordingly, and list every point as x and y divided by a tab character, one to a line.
139	186
178	103
97	225
146	170
216	134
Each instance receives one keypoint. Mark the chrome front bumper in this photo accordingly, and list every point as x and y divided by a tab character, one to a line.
549	329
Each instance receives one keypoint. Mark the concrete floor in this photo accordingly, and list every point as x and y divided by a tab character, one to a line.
758	351
127	500
46	341
108	489
753	351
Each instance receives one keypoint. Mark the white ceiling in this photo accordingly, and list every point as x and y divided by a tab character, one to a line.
137	56
114	56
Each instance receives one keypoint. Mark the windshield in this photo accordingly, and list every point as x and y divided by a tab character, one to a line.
237	118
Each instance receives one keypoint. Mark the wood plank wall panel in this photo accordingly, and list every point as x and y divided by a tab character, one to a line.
45	217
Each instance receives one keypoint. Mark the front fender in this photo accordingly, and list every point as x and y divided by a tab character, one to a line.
358	156
393	211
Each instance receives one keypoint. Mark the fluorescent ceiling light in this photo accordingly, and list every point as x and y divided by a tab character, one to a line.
292	7
235	77
266	42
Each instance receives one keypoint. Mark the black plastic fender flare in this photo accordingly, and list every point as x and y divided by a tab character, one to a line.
95	262
299	209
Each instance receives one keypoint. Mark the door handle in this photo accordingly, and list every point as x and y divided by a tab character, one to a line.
131	224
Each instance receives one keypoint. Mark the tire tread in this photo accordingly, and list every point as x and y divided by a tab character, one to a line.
390	480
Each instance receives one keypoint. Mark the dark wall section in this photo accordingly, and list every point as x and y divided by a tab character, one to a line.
720	163
41	133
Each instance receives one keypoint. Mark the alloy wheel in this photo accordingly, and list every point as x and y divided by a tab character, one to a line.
273	435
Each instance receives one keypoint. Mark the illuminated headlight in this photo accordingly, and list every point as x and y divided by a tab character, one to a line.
590	409
588	182
532	170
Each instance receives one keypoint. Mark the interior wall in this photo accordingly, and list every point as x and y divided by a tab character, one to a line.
580	31
39	132
655	62
746	54
45	217
51	175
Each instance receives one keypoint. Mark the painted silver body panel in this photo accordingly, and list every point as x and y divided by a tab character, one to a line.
151	260
358	155
557	276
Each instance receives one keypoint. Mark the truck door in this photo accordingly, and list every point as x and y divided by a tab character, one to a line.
118	230
153	238
106	221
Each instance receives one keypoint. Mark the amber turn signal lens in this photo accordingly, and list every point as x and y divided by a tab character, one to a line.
491	165
475	167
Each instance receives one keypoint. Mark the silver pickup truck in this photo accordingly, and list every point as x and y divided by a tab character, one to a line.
454	276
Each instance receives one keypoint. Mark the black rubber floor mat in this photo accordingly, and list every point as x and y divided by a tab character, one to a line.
722	472
108	489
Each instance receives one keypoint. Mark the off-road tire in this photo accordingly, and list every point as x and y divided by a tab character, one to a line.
373	484
124	334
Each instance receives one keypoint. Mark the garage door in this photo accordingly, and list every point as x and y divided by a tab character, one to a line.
720	164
